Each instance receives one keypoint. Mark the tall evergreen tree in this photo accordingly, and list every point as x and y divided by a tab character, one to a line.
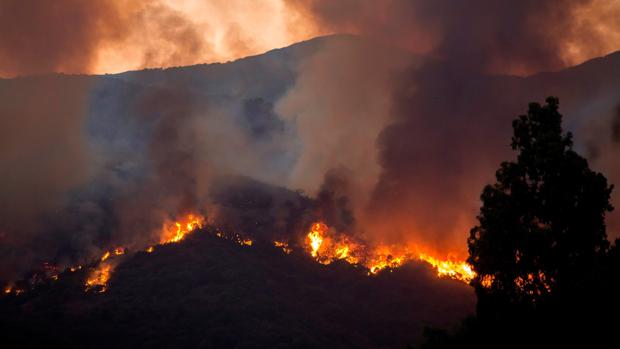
541	234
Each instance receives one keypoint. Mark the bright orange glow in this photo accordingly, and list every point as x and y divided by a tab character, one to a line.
119	251
380	261
176	231
325	247
246	242
315	238
487	280
283	246
99	277
454	269
149	249
228	32
105	256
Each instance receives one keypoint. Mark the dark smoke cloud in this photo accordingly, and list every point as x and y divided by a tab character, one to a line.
68	36
41	36
45	154
450	131
615	126
501	36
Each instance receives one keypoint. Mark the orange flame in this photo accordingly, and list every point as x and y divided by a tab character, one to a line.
283	246
451	268
176	231
326	247
99	277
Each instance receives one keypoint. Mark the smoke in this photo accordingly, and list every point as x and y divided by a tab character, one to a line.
107	36
501	36
45	153
615	126
339	103
52	36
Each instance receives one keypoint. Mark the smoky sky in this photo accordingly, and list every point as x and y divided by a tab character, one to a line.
501	36
505	36
72	36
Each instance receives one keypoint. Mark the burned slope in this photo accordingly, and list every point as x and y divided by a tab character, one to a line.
212	292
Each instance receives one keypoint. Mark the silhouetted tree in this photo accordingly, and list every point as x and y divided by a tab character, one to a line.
541	236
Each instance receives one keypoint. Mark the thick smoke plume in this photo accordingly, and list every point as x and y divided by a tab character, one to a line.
501	36
108	36
379	142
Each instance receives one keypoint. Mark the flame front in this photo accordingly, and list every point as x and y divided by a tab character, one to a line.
99	278
454	269
323	244
175	232
326	247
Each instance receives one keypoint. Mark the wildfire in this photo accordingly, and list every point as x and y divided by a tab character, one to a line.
178	230
323	244
326	247
455	269
99	278
283	246
382	261
246	242
315	236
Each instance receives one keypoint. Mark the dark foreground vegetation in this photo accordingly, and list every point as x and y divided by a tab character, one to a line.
208	292
547	274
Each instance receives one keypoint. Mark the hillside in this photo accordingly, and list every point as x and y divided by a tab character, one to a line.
211	292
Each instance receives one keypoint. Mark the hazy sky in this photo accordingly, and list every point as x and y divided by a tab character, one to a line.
108	36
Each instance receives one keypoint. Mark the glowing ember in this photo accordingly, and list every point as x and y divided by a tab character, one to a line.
487	280
119	251
246	242
150	249
105	256
284	246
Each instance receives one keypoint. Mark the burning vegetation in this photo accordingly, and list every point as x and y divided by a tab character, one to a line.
326	247
323	244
